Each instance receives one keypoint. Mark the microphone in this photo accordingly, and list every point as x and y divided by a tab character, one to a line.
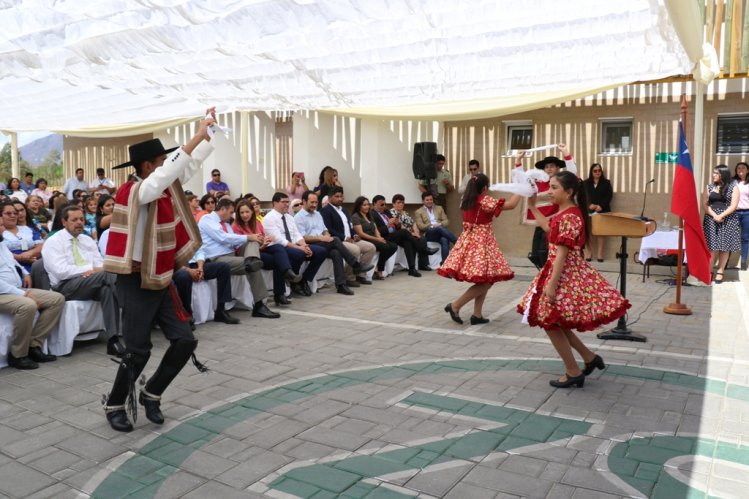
644	199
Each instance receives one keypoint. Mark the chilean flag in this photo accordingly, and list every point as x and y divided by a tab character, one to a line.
684	204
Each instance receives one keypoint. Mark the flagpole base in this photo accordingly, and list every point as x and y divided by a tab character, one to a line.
677	309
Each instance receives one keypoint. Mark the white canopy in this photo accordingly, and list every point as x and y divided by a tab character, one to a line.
108	66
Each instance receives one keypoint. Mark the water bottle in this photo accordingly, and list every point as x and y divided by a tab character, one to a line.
665	225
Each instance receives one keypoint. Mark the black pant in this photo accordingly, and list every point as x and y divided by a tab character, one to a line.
539	248
408	242
211	270
338	253
386	250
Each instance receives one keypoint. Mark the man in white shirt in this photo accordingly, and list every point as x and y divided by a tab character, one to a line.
220	244
102	184
312	227
74	265
26	344
280	227
75	183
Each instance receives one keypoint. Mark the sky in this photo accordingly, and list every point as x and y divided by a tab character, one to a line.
23	137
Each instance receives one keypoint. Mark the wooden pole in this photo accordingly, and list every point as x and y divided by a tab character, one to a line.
678	308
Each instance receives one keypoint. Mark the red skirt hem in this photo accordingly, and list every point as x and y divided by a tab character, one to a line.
554	320
475	279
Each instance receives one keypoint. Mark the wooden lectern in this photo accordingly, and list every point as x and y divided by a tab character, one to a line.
622	225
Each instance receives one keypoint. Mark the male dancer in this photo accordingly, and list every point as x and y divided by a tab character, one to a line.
152	233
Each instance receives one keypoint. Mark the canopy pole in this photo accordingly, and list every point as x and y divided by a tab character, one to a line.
14	156
245	149
697	143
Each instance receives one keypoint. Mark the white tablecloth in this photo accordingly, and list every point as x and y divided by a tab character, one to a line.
658	243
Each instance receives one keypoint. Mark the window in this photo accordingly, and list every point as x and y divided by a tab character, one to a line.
616	136
733	134
519	137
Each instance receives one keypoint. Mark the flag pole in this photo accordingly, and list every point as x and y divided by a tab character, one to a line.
678	308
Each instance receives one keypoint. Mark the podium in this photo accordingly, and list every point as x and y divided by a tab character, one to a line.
621	225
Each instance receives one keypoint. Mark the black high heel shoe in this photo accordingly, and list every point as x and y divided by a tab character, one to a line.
571	380
453	315
597	362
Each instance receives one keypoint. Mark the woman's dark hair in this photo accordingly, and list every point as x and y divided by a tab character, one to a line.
10	182
322	175
39	181
206	198
100	204
57	220
725	178
473	189
590	172
252	224
398	197
736	172
569	180
358	202
29	219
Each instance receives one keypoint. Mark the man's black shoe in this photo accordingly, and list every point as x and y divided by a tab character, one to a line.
292	276
21	362
192	325
360	269
152	406
252	264
431	251
114	347
363	280
305	288
414	273
37	355
118	420
344	290
353	284
281	300
223	316
261	310
425	268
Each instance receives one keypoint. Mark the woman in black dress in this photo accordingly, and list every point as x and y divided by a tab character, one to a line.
366	229
599	191
721	225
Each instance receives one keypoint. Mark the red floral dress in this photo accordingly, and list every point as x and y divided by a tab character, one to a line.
476	257
585	300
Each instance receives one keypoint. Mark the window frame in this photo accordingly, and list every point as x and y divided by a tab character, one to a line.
518	125
732	117
603	124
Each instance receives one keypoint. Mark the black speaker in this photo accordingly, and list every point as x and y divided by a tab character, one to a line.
424	160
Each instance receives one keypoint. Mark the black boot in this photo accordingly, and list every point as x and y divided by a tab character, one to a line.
123	392
174	360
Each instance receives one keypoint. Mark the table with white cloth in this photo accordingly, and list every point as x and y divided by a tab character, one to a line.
657	244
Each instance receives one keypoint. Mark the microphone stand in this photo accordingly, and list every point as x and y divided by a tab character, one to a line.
644	200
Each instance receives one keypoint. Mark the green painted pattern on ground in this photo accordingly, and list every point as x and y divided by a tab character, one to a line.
165	453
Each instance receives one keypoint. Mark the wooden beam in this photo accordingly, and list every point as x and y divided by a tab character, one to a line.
718	31
737	22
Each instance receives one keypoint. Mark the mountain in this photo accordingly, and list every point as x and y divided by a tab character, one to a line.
35	152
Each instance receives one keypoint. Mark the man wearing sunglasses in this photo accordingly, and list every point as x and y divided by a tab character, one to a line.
216	186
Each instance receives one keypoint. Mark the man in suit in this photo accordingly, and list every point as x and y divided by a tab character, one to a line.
338	223
391	230
432	222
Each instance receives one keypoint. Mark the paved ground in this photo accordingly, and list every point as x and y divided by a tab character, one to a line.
381	395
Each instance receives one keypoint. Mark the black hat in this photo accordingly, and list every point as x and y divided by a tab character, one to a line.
144	151
550	159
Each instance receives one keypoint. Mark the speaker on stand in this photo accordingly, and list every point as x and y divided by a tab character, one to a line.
424	163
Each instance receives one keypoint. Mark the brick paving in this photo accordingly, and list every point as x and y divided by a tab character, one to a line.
381	395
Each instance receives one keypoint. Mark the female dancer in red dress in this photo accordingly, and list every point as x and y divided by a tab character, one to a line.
568	293
476	257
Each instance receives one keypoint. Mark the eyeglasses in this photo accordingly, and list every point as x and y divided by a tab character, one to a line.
216	174
210	202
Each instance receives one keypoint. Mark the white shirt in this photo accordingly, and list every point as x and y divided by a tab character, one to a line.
344	219
430	213
72	184
100	183
273	226
57	254
178	165
10	281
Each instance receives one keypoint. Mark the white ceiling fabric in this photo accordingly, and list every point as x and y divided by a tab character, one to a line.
72	64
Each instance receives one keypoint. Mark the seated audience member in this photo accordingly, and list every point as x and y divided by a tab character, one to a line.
104	209
312	227
391	230
39	215
56	201
207	205
75	268
366	229
338	223
25	348
19	238
42	191
14	190
255	202
432	221
406	222
216	187
297	187
274	257
28	183
296	207
198	270
194	202
280	227
25	219
221	244
89	212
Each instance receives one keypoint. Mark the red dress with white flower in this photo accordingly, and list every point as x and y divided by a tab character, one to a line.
585	300
476	257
